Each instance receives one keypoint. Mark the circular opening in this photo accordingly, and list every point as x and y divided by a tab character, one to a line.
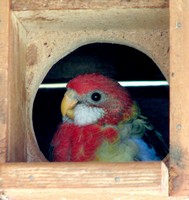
119	62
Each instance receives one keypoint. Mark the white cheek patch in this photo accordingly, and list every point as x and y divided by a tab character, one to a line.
84	115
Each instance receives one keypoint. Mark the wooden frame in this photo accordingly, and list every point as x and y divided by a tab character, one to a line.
42	37
43	180
4	63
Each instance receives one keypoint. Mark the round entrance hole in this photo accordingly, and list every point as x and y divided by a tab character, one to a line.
120	62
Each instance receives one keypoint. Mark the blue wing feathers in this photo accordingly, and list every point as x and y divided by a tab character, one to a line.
146	153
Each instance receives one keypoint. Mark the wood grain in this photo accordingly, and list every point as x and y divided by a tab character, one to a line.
179	97
4	63
89	180
64	31
17	93
103	179
87	4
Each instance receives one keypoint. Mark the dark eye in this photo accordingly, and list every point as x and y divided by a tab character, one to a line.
96	96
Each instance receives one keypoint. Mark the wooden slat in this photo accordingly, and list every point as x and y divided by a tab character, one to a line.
4	63
85	179
17	92
103	19
179	95
87	4
76	194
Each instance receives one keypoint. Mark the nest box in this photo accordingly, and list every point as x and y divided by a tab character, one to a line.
33	37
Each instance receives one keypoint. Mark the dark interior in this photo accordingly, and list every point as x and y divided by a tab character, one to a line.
119	62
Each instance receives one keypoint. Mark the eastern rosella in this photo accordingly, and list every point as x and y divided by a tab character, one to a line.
101	122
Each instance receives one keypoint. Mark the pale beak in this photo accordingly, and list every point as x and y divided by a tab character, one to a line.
68	103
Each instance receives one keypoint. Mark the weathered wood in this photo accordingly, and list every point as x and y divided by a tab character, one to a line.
179	97
17	93
65	30
104	19
4	63
77	194
87	4
86	179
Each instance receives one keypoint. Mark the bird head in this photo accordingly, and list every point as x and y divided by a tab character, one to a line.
94	98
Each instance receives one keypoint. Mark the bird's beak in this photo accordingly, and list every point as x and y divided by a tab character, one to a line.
68	103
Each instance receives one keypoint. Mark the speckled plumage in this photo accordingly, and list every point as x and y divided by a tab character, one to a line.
104	124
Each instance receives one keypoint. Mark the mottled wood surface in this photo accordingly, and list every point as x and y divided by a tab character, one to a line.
179	97
4	63
84	180
110	181
17	90
52	34
87	4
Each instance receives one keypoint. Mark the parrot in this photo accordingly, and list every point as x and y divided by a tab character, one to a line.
101	122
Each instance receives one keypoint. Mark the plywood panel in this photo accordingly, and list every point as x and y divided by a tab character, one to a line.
17	93
179	97
62	180
105	180
52	34
87	4
4	63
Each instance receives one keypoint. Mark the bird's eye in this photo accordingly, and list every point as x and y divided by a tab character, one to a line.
96	96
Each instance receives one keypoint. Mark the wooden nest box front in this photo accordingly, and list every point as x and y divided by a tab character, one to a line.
33	37
42	36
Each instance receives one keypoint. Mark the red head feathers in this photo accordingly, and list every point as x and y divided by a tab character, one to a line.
114	99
